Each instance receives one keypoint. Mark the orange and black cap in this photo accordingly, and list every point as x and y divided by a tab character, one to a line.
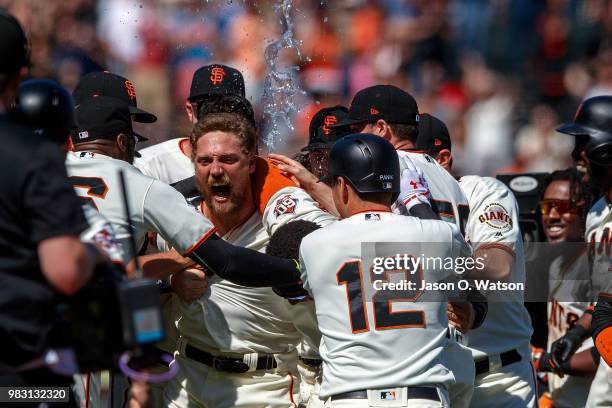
320	133
104	83
433	134
216	79
386	102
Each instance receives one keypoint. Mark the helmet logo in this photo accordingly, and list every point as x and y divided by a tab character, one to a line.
437	142
130	89
374	111
217	75
328	121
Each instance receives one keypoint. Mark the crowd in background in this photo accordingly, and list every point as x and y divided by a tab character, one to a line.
501	73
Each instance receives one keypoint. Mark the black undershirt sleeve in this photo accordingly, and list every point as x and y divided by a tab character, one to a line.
244	266
424	212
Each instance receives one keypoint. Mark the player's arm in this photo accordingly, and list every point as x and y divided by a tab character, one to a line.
192	235
602	326
564	348
414	193
321	192
161	265
493	243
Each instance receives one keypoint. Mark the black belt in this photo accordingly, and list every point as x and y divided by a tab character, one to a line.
228	364
427	393
507	358
311	362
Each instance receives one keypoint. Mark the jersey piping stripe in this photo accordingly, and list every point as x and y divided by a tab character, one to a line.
535	385
199	242
87	379
500	246
424	193
291	389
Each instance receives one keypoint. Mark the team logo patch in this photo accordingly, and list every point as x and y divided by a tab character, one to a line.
328	121
374	111
496	216
84	134
217	74
372	217
285	205
388	395
130	89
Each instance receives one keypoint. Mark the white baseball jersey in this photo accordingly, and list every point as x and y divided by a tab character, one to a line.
599	238
166	161
154	206
494	222
238	319
430	183
401	341
568	284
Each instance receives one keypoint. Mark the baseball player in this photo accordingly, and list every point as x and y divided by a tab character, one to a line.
592	127
602	327
237	345
366	360
500	347
563	210
214	88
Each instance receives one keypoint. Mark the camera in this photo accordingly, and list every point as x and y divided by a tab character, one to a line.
112	315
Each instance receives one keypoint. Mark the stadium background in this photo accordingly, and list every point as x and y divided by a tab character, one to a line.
501	73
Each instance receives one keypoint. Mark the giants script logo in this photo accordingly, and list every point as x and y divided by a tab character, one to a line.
130	89
328	121
217	75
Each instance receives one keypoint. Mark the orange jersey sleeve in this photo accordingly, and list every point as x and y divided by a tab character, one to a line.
267	181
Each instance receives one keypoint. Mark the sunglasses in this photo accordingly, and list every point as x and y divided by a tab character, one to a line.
562	206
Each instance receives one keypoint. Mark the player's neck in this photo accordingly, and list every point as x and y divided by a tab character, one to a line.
365	206
225	223
402	144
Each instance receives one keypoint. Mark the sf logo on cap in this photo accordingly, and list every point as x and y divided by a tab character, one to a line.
130	89
217	75
328	121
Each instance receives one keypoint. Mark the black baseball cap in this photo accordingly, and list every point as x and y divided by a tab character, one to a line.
216	79
104	83
321	135
14	46
386	102
102	117
433	134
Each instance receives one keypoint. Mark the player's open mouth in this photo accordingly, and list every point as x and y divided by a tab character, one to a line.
220	192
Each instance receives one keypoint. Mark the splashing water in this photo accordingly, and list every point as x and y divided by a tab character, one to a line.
281	87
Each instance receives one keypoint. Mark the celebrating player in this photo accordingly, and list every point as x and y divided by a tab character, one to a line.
235	340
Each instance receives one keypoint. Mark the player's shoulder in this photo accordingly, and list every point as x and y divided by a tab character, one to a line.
161	150
269	183
599	207
483	182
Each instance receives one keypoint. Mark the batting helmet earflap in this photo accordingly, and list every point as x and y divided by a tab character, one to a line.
594	119
368	162
45	106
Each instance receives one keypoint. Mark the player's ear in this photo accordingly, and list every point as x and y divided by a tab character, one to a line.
122	142
381	128
344	192
191	114
445	159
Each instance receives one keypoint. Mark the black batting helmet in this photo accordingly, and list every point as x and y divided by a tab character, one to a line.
594	119
368	162
45	106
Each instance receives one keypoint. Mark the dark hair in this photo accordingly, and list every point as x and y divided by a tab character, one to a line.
224	104
404	131
580	196
225	122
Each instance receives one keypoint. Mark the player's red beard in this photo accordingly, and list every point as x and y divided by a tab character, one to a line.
215	190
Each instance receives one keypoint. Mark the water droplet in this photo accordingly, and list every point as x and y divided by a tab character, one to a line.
325	19
317	102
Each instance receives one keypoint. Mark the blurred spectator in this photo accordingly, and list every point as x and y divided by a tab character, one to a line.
528	63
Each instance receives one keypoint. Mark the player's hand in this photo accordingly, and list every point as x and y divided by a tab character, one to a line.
565	347
189	284
460	315
294	169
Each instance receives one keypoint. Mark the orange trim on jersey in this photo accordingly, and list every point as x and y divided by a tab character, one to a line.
370	211
500	246
603	342
199	242
86	402
605	294
181	144
267	180
291	389
348	298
